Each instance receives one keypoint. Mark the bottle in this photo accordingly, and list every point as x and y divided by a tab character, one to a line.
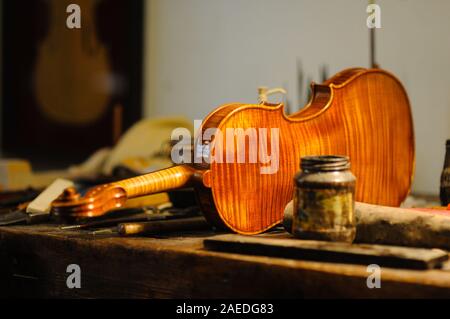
445	178
324	199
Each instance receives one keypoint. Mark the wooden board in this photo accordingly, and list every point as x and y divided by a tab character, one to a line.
34	259
363	254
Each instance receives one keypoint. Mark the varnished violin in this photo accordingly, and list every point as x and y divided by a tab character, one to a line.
360	113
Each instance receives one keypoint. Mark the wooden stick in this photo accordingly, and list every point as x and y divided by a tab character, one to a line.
159	227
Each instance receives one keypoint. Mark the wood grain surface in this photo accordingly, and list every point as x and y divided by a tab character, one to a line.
163	180
364	114
34	260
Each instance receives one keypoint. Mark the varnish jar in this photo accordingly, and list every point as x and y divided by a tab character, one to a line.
324	199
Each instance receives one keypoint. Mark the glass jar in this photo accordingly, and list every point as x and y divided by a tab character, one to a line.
324	200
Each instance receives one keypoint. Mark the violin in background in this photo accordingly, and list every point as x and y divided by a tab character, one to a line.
72	68
69	92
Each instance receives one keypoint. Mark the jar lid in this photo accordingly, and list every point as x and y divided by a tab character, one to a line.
325	163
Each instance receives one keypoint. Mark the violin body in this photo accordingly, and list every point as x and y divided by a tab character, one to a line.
71	66
360	113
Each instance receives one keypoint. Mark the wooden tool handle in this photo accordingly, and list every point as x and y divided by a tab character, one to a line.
157	182
159	227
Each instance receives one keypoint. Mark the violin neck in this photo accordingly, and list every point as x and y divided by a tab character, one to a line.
157	182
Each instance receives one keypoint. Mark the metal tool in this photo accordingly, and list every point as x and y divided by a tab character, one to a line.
20	216
145	214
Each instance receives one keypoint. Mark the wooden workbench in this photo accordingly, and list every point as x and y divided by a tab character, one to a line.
34	260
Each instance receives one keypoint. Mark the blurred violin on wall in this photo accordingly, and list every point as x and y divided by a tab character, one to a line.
362	113
63	85
72	68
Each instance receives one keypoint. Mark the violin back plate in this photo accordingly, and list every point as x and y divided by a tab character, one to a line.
364	114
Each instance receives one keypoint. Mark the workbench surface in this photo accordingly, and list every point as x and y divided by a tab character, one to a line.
34	261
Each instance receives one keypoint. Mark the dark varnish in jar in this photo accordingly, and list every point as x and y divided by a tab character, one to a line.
324	202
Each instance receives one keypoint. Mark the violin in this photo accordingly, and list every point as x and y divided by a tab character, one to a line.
71	66
360	113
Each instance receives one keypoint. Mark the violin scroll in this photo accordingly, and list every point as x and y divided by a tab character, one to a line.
97	201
